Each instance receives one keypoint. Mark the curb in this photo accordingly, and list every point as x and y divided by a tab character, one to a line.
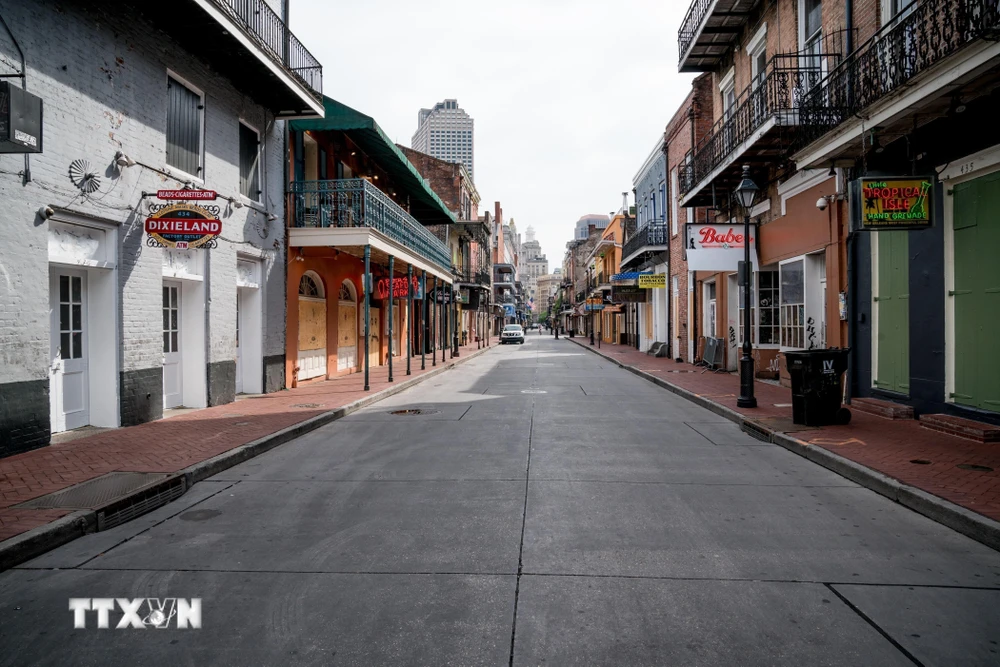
35	542
980	528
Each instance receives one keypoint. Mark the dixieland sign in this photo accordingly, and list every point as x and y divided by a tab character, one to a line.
182	226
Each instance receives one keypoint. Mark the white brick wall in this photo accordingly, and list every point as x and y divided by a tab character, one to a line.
102	77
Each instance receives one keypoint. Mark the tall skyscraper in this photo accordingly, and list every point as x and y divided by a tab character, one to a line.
446	132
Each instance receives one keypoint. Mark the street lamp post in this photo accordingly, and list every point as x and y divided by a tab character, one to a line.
745	193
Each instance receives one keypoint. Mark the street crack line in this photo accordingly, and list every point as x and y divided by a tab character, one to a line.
520	551
869	621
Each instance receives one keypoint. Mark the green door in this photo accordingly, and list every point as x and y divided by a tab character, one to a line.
892	301
977	293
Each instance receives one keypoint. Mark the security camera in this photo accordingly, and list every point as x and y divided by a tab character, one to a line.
46	212
822	203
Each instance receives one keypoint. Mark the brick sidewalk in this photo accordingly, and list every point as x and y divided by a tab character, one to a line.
889	447
173	444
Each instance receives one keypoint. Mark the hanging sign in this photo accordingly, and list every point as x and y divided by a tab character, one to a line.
627	294
594	304
895	203
399	288
203	195
718	247
183	226
652	280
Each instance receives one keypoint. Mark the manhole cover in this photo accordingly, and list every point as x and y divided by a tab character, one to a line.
96	492
973	466
412	412
533	391
921	462
307	405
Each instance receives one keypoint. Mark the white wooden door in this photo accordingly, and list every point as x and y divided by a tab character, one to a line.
239	354
70	389
173	379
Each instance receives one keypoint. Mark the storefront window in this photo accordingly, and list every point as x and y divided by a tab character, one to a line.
792	305
764	310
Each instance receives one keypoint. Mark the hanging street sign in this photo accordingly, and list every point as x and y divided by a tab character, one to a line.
594	304
182	226
895	203
718	247
652	280
627	294
201	195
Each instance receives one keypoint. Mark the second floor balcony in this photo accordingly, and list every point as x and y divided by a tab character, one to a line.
249	43
709	30
352	208
914	66
471	275
653	237
757	129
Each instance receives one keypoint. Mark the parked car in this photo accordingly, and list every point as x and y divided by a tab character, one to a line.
512	333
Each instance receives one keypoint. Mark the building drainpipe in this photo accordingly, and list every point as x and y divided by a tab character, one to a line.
669	210
423	322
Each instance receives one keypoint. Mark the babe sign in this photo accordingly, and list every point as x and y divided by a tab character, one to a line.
718	247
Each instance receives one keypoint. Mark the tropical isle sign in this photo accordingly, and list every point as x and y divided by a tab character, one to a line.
183	225
895	203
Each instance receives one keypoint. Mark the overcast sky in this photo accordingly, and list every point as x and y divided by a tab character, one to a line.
569	96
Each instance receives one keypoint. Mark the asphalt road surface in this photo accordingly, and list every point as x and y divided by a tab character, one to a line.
545	508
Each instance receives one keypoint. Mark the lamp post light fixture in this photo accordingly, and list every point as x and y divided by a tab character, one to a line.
746	194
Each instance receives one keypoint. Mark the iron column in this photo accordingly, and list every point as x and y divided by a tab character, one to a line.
409	316
367	296
392	289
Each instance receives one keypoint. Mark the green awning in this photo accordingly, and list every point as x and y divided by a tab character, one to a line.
425	205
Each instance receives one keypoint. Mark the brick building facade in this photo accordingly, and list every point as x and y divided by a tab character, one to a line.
97	325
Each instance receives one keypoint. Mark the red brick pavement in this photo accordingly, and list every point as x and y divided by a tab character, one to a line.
173	444
888	446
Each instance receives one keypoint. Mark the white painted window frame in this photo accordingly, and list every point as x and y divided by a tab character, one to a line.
261	156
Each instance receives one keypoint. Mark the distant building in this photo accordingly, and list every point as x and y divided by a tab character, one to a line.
584	224
447	133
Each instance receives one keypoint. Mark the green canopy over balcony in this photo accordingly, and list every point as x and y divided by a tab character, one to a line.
425	205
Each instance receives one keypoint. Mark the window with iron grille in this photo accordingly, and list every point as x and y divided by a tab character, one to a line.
249	163
184	128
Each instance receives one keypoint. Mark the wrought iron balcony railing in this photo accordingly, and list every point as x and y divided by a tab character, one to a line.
472	276
655	233
692	22
779	95
354	202
266	29
920	37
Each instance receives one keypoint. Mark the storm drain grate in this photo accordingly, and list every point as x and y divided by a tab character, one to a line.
756	431
96	492
973	466
412	412
138	504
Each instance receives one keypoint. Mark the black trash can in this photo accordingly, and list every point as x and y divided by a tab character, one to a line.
816	386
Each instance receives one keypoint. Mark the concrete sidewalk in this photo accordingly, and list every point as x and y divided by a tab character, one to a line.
897	458
196	444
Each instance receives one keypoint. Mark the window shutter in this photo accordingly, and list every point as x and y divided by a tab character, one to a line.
184	111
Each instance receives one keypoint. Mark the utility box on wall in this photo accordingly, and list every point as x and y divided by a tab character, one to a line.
20	120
